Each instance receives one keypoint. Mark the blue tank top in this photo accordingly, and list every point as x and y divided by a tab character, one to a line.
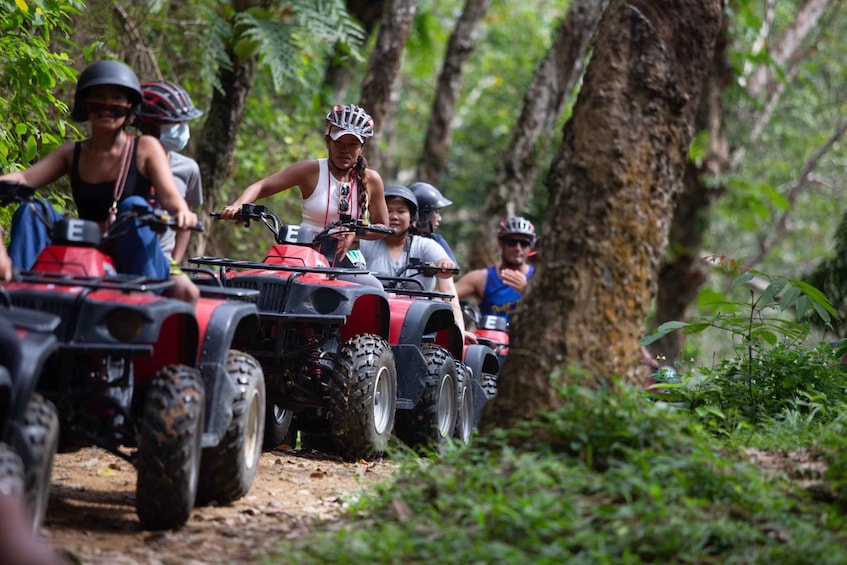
498	298
93	199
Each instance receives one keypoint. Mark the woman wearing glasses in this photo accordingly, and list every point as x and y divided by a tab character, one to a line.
340	184
499	288
107	96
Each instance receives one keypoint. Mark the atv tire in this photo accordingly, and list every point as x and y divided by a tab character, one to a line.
433	419
169	448
11	471
364	398
278	428
489	384
227	470
36	440
465	413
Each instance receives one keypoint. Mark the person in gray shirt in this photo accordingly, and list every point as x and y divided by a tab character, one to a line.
392	256
166	109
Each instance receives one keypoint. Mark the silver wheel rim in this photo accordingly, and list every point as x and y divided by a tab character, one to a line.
467	416
446	406
252	440
382	400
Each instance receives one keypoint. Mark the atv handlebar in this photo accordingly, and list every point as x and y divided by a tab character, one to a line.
348	225
158	220
429	269
11	191
258	213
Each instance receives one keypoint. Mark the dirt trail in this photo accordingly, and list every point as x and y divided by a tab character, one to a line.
92	517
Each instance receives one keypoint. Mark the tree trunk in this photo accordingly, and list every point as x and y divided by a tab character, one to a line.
214	153
340	71
439	133
383	67
684	272
611	192
554	79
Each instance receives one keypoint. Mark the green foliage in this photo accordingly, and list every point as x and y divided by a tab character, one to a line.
784	386
759	322
298	30
32	117
772	377
652	490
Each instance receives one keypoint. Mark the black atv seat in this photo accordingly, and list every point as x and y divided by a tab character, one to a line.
74	231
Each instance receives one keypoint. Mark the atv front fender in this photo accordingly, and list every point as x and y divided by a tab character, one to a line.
222	323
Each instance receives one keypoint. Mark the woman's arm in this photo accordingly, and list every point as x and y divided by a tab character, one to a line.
303	174
49	168
154	164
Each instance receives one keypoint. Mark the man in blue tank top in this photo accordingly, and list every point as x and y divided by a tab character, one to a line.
499	288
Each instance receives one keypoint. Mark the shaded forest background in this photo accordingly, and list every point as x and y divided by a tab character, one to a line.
473	96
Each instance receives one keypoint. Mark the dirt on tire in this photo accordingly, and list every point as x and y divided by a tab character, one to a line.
92	519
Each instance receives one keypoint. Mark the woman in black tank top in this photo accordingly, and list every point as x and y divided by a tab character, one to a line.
107	95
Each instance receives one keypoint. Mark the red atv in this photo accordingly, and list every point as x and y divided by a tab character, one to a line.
29	423
323	341
492	331
148	378
425	337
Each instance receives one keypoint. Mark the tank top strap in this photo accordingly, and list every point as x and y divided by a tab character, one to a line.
75	162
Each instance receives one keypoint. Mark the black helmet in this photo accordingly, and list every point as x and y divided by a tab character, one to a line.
166	102
400	191
101	73
429	197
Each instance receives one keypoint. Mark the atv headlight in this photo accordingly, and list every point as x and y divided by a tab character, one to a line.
125	324
325	301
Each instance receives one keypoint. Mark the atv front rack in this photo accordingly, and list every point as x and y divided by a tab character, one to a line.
121	282
245	264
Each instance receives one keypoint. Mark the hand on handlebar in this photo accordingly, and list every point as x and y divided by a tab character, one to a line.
229	212
185	219
446	269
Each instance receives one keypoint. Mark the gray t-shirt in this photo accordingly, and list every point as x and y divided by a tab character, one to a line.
379	260
186	173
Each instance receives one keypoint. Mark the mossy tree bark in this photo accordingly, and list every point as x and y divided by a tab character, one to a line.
611	191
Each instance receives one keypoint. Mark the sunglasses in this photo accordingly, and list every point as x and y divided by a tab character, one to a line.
511	242
105	109
343	202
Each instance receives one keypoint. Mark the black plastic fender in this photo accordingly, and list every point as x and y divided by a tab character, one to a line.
37	345
227	320
6	396
480	359
426	317
411	369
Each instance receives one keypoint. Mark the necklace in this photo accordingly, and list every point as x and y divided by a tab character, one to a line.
345	191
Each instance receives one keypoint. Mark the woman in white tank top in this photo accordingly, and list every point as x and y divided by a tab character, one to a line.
340	184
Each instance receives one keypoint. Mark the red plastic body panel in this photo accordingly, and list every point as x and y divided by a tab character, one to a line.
82	261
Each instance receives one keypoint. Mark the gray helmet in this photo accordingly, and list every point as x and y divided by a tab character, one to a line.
102	73
400	191
429	197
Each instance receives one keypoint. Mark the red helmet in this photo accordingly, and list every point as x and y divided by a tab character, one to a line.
166	102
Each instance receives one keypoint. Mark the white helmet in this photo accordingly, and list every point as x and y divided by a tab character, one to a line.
350	120
516	226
